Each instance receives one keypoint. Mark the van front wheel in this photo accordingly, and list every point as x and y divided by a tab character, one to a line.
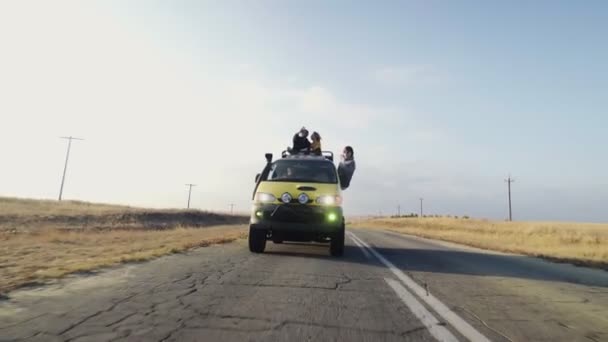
257	240
336	246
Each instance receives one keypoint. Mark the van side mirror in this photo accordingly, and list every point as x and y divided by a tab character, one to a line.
257	178
268	157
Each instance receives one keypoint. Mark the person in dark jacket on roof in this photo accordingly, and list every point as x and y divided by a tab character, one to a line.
300	142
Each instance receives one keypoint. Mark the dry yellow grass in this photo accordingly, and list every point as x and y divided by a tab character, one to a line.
44	254
43	239
578	243
10	206
28	215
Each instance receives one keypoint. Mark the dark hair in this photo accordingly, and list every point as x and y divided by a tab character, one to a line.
350	150
315	134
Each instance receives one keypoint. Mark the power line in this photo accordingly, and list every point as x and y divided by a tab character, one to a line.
189	193
509	181
65	167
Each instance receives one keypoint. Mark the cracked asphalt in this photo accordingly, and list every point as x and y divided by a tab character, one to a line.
297	292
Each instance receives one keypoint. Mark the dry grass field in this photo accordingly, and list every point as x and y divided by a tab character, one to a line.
41	240
10	206
577	243
27	215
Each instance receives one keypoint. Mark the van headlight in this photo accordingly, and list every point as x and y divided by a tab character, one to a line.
329	200
264	197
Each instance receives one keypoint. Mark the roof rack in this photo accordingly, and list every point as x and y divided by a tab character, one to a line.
324	154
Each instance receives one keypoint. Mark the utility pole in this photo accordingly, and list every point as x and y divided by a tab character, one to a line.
65	167
421	199
231	208
509	181
398	210
189	192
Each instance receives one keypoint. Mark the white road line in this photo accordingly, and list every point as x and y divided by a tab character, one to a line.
430	322
363	249
455	321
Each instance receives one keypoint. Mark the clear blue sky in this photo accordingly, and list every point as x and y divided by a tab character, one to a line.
441	100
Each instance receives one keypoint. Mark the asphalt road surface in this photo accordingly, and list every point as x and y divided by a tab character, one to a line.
387	287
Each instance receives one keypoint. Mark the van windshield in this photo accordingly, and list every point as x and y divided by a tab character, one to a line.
302	171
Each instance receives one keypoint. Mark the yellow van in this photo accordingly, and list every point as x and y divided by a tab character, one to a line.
297	198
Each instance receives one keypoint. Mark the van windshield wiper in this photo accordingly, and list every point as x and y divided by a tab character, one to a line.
293	180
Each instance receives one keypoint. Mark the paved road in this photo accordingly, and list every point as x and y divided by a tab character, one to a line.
296	292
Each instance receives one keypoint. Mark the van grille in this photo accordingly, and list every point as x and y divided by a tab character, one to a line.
296	214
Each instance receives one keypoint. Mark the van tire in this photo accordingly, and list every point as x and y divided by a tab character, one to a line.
336	245
257	240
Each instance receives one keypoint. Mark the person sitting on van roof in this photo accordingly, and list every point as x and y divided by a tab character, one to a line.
300	141
315	146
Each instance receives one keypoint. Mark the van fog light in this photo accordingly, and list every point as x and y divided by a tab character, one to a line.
332	217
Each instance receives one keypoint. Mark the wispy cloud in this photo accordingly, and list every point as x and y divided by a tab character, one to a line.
407	75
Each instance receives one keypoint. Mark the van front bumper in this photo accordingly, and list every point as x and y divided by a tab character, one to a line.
286	219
